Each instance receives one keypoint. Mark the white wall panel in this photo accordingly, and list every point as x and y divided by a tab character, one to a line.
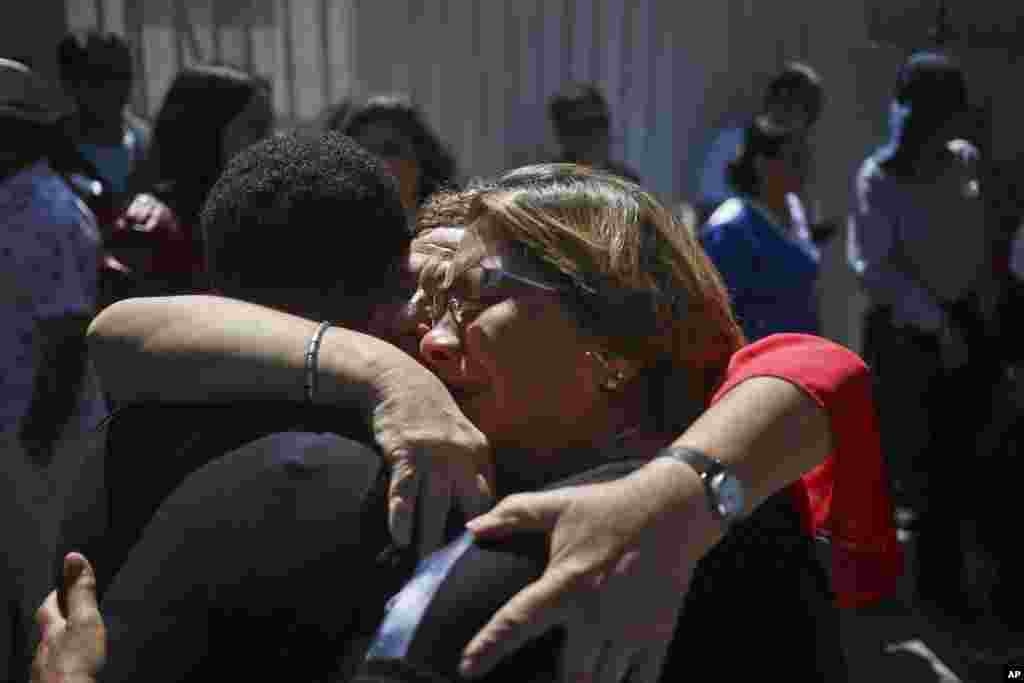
341	46
483	71
113	15
160	66
82	14
308	59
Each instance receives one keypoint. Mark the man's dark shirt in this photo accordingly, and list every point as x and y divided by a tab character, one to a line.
235	541
274	559
618	168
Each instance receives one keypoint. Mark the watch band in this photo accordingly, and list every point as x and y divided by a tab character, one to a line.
707	469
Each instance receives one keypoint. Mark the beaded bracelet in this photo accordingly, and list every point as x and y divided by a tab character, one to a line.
312	354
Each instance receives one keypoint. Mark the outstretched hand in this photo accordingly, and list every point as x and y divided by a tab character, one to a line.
73	640
621	557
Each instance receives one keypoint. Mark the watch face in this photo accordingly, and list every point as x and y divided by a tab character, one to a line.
730	495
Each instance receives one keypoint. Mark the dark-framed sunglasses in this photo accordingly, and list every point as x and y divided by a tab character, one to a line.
493	287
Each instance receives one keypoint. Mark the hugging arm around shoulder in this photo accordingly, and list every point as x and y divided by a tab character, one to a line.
211	349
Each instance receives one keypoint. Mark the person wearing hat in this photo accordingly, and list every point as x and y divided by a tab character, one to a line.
922	250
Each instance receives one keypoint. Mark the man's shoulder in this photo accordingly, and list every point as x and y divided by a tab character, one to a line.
623	170
301	454
279	428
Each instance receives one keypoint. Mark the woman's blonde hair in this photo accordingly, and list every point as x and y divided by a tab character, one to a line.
638	280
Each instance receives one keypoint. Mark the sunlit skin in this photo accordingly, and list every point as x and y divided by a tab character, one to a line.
492	379
404	320
493	359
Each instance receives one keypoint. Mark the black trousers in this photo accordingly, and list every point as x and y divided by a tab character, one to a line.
930	417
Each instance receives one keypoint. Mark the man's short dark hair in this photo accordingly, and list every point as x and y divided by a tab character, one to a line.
576	104
303	212
799	80
94	55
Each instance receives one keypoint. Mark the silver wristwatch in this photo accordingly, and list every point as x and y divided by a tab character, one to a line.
724	490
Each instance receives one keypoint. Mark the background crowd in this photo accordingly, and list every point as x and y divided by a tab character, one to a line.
98	206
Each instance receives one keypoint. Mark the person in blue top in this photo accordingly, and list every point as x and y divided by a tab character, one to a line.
763	250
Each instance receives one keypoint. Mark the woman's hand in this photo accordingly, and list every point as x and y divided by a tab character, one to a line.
146	213
617	572
145	226
437	455
73	639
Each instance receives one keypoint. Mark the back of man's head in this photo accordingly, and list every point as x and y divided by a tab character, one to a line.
306	221
796	91
94	55
579	107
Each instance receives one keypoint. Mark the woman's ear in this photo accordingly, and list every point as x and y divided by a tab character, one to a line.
613	371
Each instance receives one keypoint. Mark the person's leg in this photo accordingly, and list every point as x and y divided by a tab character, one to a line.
904	365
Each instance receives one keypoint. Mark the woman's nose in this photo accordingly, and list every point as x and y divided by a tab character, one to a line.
441	349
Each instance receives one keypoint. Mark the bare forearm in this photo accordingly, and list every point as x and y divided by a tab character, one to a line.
769	431
211	349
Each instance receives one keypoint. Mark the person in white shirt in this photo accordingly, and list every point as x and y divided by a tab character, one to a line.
921	247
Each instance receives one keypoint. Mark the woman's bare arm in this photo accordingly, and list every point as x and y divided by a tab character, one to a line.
197	349
212	349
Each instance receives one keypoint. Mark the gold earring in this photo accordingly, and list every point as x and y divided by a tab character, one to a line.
616	378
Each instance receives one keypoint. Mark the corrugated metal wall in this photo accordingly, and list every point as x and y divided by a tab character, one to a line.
483	70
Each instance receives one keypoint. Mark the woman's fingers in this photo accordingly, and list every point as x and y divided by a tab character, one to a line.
432	507
529	614
403	493
521	512
473	486
421	495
